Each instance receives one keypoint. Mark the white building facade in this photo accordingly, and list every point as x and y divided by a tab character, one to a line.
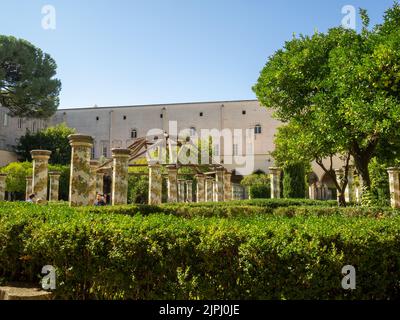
117	127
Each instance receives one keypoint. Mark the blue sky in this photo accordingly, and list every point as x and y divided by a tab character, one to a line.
125	52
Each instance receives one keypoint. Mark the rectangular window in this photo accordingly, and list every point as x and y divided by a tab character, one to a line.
105	151
93	153
20	123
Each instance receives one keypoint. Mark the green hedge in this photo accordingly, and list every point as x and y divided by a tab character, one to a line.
103	256
374	212
210	209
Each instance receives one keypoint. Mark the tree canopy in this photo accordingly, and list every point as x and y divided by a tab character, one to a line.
54	139
27	84
337	92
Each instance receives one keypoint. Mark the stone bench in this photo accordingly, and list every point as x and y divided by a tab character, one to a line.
23	292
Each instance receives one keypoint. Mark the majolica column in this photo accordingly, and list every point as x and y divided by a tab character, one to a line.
394	186
219	185
93	181
189	190
155	184
227	186
100	181
181	190
350	192
209	189
119	193
339	178
80	169
28	187
358	189
54	185
312	191
215	198
172	183
275	175
40	160
3	177
201	188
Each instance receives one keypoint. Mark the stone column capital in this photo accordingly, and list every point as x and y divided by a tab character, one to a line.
54	173
275	170
3	175
77	140
393	170
40	154
120	153
94	163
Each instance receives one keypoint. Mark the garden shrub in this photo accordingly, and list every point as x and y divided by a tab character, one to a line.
109	256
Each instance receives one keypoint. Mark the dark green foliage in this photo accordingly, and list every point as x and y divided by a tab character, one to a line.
106	256
138	189
294	183
258	184
27	84
54	139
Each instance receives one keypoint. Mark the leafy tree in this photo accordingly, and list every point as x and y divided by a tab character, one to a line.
16	178
339	90
294	183
27	84
258	184
54	139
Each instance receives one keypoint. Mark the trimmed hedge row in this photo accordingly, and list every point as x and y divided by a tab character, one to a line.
211	209
373	212
103	256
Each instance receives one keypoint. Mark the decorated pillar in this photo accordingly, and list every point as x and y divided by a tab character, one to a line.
93	181
209	189
3	177
358	188
40	160
219	185
228	186
189	190
172	183
349	193
54	185
275	175
79	181
394	186
28	187
119	186
155	183
339	178
100	181
312	192
181	190
201	188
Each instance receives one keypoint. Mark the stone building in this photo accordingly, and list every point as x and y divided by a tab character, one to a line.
117	126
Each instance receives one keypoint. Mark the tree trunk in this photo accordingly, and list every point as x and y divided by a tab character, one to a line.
362	168
341	199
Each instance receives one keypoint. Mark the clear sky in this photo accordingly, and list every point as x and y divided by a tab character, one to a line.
126	52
